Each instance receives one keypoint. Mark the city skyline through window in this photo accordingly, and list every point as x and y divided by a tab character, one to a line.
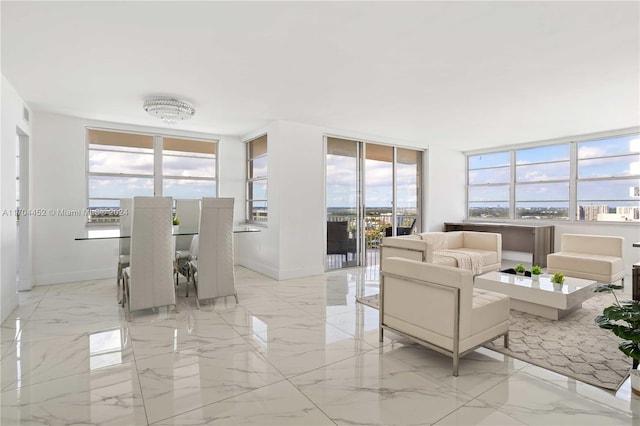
535	183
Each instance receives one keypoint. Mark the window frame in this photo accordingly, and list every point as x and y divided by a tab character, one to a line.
250	181
573	179
157	175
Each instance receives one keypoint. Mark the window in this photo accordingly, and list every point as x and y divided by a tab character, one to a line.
542	182
257	179
122	165
489	177
536	183
609	179
188	168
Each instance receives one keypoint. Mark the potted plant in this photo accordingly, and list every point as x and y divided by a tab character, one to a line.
520	269
557	279
175	222
623	319
535	272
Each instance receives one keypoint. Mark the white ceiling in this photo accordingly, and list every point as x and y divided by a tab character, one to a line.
468	75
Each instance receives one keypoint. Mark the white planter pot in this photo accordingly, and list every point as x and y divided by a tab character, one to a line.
535	277
557	287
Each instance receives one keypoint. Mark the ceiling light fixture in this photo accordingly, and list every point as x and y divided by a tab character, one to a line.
169	110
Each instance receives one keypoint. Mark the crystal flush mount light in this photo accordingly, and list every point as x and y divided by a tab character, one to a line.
169	110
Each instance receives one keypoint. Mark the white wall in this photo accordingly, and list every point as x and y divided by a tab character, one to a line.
59	182
12	119
295	235
291	245
446	188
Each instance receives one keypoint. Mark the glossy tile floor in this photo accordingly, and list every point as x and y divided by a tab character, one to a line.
298	352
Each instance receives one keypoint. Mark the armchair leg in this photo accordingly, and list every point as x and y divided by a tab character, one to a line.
506	340
456	363
380	334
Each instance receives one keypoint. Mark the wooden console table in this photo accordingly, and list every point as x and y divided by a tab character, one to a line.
535	239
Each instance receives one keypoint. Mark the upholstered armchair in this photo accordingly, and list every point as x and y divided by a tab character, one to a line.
438	307
479	252
592	257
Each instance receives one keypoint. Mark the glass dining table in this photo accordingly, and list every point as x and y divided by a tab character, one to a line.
114	233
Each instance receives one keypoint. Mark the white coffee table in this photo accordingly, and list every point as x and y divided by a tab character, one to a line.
539	297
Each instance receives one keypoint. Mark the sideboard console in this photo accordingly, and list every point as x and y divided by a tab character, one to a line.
535	239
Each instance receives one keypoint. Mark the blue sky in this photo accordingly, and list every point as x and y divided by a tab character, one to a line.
605	158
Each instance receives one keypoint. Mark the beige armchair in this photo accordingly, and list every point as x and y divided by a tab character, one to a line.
479	252
438	307
592	257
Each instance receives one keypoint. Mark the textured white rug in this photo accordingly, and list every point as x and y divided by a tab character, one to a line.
573	346
372	301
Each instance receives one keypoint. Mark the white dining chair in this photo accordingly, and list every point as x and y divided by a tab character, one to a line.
148	280
212	268
188	211
124	243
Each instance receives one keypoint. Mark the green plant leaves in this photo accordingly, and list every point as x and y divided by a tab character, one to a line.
624	321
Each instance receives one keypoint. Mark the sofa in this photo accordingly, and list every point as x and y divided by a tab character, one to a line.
479	252
438	307
592	257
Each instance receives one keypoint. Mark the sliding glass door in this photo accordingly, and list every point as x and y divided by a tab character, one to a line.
373	191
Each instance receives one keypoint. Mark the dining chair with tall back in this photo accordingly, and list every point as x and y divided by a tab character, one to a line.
148	279
188	211
124	243
212	270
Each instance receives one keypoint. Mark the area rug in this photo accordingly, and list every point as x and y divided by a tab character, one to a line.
372	301
573	346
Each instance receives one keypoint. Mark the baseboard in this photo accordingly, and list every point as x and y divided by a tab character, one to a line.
258	267
299	273
69	277
276	274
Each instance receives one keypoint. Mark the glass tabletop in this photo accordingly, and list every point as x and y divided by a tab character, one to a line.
114	233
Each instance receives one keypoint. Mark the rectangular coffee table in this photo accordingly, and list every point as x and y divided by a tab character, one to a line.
539	297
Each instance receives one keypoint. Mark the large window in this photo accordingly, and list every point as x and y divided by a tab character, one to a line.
188	168
489	177
124	165
257	179
542	182
609	179
537	182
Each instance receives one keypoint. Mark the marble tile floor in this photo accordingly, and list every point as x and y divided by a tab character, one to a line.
298	352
